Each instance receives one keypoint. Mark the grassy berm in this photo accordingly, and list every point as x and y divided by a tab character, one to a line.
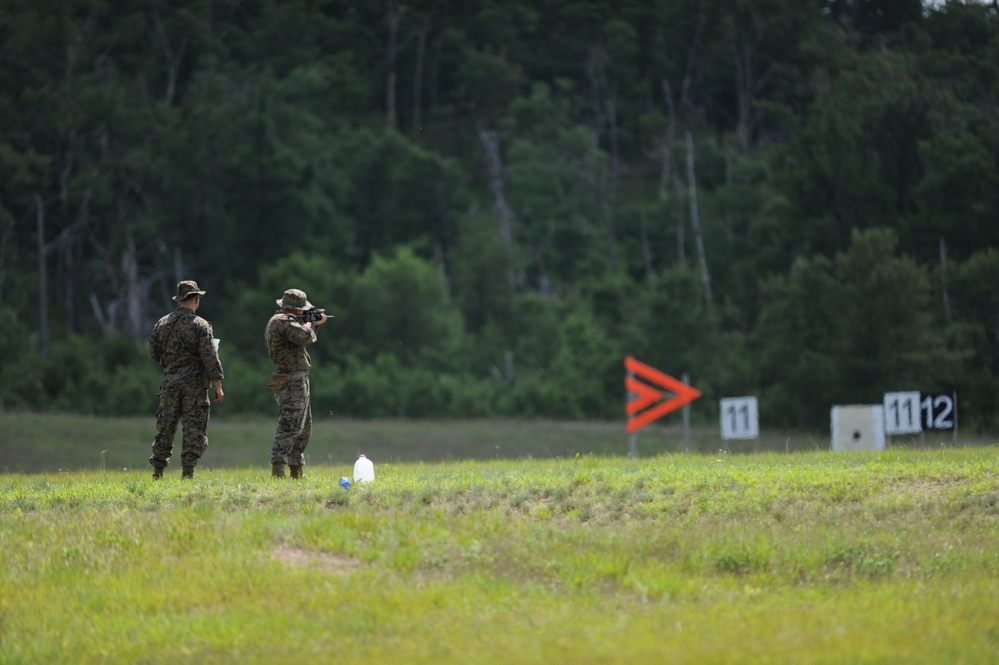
773	557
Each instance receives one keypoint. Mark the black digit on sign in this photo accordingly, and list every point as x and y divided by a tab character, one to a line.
894	407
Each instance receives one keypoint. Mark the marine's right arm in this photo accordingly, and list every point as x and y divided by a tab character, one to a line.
156	346
286	330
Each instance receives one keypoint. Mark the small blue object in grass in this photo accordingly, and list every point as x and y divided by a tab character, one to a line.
344	482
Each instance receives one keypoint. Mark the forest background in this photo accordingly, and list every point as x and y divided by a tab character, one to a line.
499	201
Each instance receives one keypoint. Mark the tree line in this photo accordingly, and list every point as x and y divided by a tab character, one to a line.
499	201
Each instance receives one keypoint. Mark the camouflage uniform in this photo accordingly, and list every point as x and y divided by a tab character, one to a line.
287	340
181	343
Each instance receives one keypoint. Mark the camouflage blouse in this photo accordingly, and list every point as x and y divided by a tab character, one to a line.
286	341
181	343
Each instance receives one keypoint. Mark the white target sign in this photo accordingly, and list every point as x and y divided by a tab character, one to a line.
739	418
902	413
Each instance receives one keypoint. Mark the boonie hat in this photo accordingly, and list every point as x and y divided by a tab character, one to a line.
294	299
187	288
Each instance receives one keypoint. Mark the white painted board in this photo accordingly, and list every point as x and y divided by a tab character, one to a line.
902	413
857	427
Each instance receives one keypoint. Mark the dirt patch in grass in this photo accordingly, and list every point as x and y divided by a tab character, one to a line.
298	556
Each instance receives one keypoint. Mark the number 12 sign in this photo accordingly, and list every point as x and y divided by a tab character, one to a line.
739	418
938	411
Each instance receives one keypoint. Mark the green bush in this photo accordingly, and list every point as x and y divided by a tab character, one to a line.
20	373
538	397
245	386
21	383
133	390
472	398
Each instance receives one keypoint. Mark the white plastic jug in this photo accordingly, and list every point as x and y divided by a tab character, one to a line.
364	470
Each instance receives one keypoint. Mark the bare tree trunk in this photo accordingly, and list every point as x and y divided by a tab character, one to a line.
668	177
544	284
681	222
173	60
745	35
602	192
667	144
743	94
943	279
605	119
395	12
130	274
71	240
108	321
178	265
105	321
504	216
68	256
610	200
646	250
695	220
508	366
435	68
421	49
43	282
8	226
445	234
683	104
506	376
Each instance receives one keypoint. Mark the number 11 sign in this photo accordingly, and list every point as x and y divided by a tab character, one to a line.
739	418
902	413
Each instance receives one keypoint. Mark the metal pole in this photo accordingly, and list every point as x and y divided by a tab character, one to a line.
686	418
955	417
633	439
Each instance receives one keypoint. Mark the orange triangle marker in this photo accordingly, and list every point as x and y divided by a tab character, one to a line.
646	395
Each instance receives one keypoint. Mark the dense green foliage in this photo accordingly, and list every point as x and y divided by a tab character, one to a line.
500	200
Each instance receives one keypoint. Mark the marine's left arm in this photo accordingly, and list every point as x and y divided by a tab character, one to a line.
209	355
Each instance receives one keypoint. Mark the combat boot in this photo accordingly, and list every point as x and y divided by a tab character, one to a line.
277	469
187	473
157	472
297	472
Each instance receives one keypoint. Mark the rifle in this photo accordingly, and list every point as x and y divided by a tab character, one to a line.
313	315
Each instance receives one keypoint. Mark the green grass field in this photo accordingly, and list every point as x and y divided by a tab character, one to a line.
575	557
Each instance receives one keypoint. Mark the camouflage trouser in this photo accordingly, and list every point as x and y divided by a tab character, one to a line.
294	428
189	406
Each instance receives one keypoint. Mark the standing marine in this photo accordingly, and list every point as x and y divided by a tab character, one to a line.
287	338
183	344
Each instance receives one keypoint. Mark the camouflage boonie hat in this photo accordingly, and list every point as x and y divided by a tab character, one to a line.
187	288
294	299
